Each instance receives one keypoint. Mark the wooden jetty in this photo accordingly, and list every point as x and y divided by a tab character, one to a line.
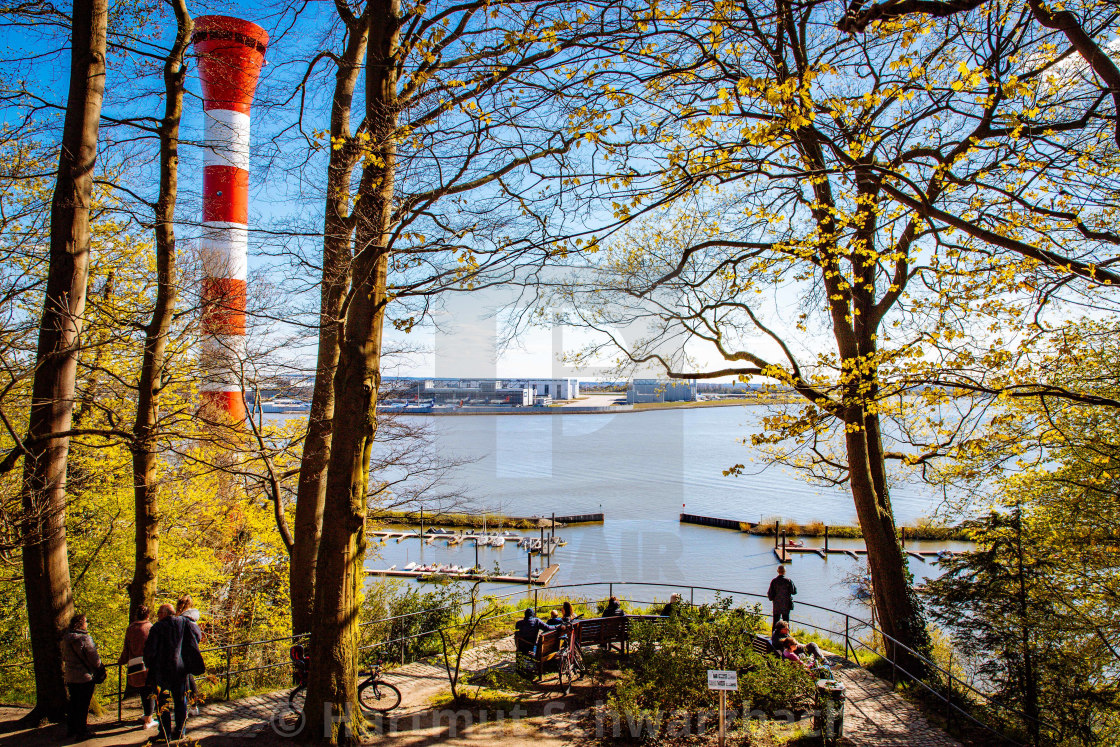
580	519
542	580
711	521
785	552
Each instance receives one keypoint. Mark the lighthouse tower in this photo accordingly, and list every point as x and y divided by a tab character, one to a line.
230	56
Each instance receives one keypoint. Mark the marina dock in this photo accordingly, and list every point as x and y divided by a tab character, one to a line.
545	544
784	550
542	580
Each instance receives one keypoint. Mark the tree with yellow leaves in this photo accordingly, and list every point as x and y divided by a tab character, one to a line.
801	183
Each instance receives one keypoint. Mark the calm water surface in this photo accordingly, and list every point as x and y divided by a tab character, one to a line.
641	470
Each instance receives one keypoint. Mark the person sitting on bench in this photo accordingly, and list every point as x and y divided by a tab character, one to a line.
781	635
567	614
613	609
671	608
525	634
789	652
553	620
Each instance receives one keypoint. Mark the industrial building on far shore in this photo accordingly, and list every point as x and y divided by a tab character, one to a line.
489	392
644	391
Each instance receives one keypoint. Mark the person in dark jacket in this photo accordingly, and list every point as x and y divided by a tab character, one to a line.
781	637
525	632
80	661
132	656
671	608
781	594
170	640
613	609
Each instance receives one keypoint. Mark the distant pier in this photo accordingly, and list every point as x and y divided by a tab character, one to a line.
542	580
710	521
784	550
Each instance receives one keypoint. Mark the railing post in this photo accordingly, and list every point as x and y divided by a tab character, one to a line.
949	694
228	669
610	591
692	596
120	696
847	643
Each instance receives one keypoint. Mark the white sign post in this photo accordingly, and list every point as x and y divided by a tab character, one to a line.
722	680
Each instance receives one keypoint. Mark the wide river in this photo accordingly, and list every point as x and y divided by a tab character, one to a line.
642	469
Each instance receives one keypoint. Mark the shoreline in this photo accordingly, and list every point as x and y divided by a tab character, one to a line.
811	529
585	410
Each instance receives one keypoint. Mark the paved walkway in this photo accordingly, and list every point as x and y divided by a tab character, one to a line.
875	715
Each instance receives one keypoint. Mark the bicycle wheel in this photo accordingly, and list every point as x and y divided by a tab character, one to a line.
378	695
565	673
577	660
289	722
297	697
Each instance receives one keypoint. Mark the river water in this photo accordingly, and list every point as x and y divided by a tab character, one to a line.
642	469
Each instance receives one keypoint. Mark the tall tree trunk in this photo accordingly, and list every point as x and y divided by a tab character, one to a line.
142	588
900	613
337	229
331	692
46	571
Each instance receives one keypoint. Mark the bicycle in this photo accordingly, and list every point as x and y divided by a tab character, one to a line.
375	695
282	721
570	657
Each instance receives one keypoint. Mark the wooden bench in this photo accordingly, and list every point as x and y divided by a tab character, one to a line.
763	645
596	631
602	631
548	646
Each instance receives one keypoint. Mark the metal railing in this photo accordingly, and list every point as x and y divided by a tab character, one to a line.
852	625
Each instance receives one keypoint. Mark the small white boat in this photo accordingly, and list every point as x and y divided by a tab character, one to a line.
498	541
393	567
410	567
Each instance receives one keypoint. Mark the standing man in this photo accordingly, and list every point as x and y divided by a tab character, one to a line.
170	641
781	594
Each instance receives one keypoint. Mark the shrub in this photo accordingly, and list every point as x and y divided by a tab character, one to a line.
669	663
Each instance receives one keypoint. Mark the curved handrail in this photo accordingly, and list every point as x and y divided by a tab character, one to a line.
848	616
692	588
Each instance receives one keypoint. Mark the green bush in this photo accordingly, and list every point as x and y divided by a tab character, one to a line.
669	662
413	612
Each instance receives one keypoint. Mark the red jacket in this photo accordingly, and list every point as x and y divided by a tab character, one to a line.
134	639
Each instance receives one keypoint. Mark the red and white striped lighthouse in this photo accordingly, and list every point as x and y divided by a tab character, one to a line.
230	56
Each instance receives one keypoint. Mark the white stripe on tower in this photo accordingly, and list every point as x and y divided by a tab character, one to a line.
230	56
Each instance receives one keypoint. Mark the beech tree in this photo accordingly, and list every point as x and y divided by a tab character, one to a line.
785	157
464	129
45	447
1084	29
142	587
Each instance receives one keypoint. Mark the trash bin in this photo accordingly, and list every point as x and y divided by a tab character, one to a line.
829	721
